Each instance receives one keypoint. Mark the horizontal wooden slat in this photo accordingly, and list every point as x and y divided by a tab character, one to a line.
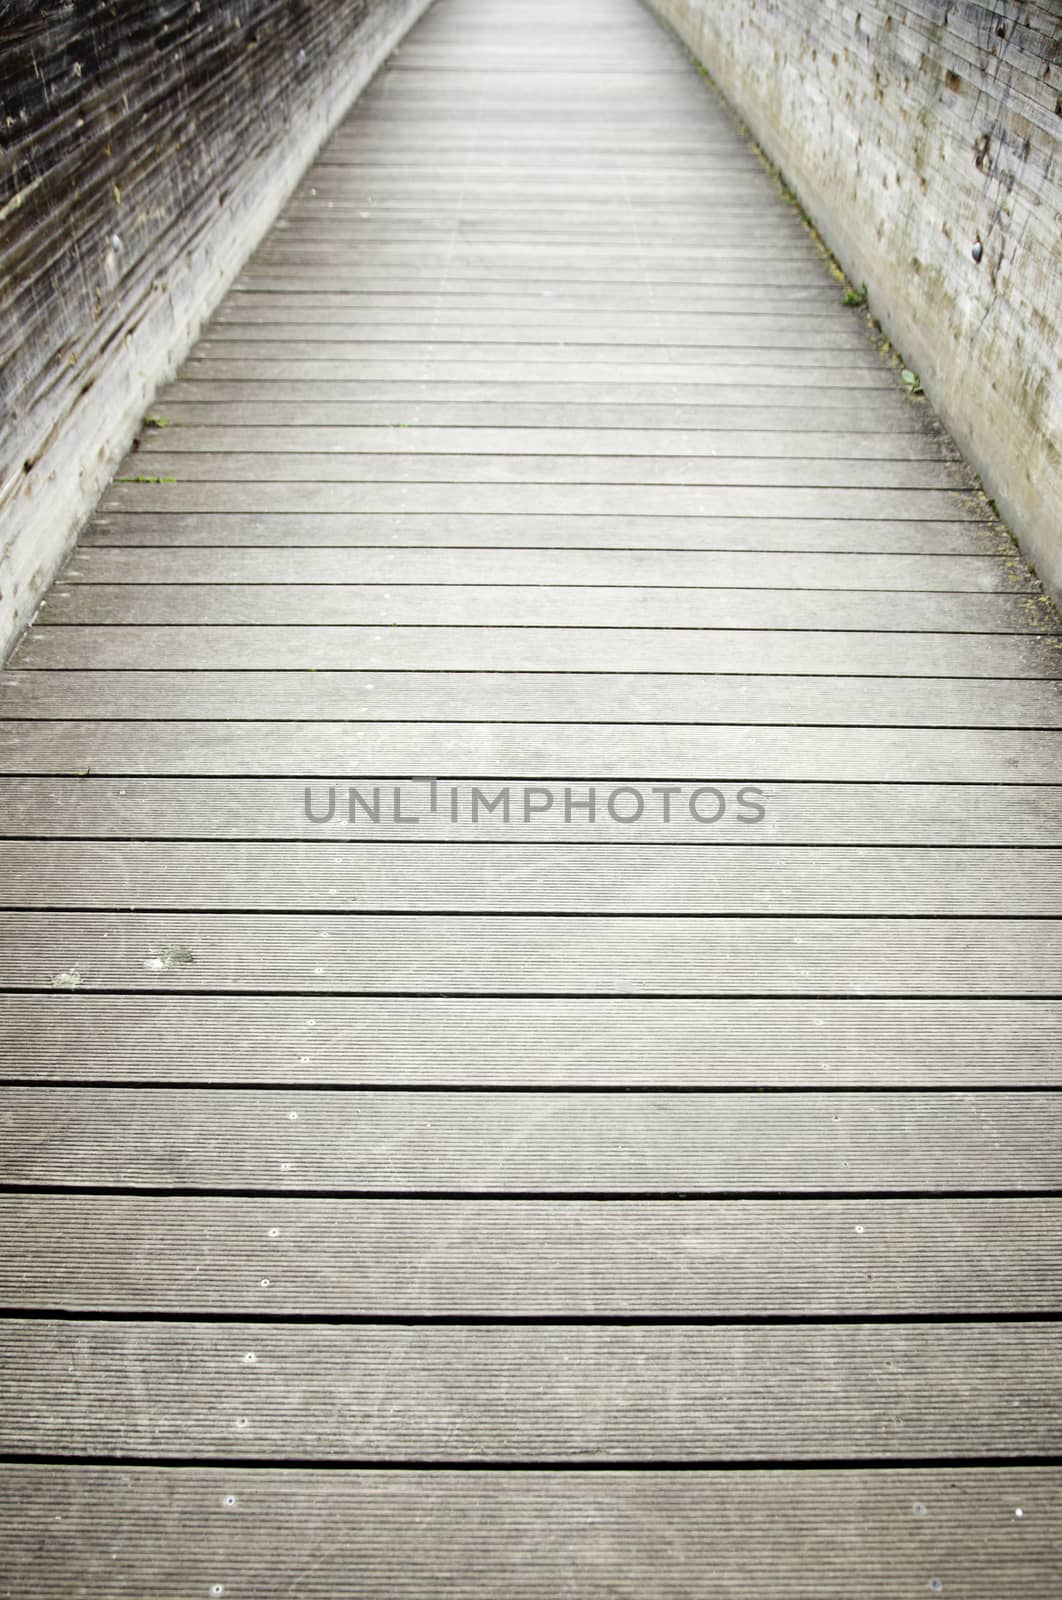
538	403
420	531
263	808
635	880
657	698
769	570
511	365
491	1258
293	1140
760	472
531	752
472	955
479	648
377	1393
532	1043
512	606
648	340
813	1534
235	435
558	499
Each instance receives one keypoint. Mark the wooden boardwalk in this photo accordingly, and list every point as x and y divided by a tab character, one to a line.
649	1204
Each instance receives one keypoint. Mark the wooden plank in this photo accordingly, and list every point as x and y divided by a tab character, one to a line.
698	570
231	530
88	1254
367	1393
203	407
658	698
531	752
237	436
527	307
968	815
452	401
531	1042
255	293
485	648
656	361
296	1140
267	953
631	879
747	389
645	470
510	605
573	499
600	378
648	337
812	312
812	1534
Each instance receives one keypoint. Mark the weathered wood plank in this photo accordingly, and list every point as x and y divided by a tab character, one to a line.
726	650
231	530
632	879
293	436
967	814
814	1534
531	1042
521	377
605	568
650	338
759	471
453	401
514	606
398	1141
586	1394
530	752
557	499
489	1258
266	953
658	698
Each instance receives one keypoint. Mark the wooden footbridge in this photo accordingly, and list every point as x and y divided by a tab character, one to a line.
530	1011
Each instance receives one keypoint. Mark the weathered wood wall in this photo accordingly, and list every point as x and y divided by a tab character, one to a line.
146	145
924	139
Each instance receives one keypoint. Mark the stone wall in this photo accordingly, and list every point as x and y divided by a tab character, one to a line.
146	147
924	139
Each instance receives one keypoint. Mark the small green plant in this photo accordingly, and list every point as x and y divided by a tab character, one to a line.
156	422
855	297
912	380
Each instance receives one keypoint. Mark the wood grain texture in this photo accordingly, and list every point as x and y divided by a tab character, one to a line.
813	813
608	569
530	752
618	880
820	1534
376	953
601	649
297	1141
530	1042
655	698
186	1255
534	448
514	606
512	1394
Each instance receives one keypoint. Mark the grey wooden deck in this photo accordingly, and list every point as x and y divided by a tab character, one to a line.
473	1208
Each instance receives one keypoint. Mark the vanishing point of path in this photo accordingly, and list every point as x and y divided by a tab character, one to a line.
650	1204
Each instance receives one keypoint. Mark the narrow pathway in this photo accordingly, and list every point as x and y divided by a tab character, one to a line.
630	1165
